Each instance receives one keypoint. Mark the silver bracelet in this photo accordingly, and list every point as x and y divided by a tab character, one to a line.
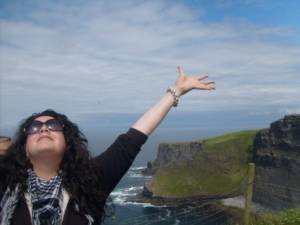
176	97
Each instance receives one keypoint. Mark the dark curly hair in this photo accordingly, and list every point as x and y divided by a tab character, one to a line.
78	177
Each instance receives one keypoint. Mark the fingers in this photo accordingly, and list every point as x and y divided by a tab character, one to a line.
199	77
206	85
202	83
202	80
208	82
202	77
210	86
199	81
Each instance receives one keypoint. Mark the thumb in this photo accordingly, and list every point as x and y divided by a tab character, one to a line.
180	71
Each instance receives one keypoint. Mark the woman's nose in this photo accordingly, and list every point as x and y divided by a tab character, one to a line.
44	128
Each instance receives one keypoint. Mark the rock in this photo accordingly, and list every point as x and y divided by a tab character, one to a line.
276	153
146	191
170	154
277	159
148	171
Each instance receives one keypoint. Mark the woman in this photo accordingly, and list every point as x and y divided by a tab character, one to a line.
48	177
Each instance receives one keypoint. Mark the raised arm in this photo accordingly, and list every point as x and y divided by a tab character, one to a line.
113	163
152	118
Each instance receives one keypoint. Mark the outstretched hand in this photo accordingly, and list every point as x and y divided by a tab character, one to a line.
186	83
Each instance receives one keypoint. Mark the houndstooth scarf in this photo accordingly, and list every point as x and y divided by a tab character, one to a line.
46	199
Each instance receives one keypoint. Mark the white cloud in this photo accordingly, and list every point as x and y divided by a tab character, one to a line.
121	56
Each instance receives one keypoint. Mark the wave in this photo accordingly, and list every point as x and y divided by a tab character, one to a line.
123	192
137	168
120	196
123	202
138	175
124	196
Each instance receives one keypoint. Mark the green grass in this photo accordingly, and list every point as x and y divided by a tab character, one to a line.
219	168
286	217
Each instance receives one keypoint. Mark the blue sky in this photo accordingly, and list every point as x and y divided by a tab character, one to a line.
89	58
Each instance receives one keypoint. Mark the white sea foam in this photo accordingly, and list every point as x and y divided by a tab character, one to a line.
131	191
122	200
138	204
137	174
168	213
177	222
121	195
137	168
134	175
136	188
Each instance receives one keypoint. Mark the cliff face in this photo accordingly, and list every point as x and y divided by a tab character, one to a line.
277	159
170	155
219	164
173	154
211	167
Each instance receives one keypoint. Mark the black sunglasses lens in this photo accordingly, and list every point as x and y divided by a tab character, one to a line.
51	124
54	125
34	127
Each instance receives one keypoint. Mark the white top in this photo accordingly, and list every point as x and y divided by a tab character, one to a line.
66	198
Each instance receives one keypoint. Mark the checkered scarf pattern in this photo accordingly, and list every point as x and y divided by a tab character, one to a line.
46	198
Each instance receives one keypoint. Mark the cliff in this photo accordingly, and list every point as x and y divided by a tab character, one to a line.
217	167
173	154
213	167
277	159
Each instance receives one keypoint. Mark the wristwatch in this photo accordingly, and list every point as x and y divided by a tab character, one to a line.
176	97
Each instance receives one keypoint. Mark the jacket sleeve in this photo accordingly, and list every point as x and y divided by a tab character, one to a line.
113	163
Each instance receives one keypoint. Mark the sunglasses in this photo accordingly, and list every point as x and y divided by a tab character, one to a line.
35	126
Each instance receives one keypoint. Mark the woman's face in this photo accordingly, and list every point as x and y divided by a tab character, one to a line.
45	142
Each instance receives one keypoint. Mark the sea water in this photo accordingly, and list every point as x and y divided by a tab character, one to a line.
128	212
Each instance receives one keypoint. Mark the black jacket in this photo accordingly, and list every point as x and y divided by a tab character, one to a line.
111	164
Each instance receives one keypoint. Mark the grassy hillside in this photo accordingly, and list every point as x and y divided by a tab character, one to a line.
286	217
218	169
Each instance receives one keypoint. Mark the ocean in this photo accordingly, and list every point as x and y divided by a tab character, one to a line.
125	211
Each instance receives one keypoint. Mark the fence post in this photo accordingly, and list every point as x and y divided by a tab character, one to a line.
248	194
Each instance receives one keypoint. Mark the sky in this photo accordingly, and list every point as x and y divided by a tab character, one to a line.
96	61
